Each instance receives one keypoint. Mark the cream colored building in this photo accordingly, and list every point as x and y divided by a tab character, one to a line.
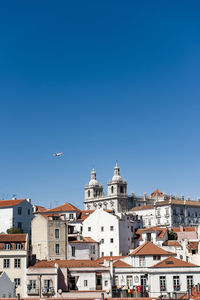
49	236
14	250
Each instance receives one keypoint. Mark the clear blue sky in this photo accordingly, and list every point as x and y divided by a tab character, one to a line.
101	81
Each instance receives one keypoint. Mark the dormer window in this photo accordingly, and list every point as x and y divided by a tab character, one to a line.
7	246
18	246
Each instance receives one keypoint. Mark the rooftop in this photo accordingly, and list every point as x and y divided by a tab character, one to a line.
172	262
10	203
66	264
148	248
18	237
64	207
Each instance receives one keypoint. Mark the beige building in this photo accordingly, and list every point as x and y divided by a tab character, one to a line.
14	250
49	236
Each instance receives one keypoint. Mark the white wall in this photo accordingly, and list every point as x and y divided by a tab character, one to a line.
6	219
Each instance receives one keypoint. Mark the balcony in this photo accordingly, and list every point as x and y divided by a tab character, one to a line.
48	291
32	291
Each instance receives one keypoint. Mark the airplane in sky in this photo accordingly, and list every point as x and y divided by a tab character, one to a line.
58	154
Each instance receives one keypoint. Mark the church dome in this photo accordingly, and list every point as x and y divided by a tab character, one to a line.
93	181
116	177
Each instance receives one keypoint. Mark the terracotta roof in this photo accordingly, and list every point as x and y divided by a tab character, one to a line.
48	215
172	262
171	243
148	248
84	240
160	230
73	263
193	245
10	203
144	207
156	192
84	214
183	229
108	258
64	207
40	208
121	264
18	237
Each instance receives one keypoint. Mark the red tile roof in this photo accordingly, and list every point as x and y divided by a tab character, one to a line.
171	243
84	214
193	245
148	248
144	207
160	231
172	262
156	192
64	207
10	203
84	240
184	229
66	264
18	237
195	295
121	264
40	208
108	258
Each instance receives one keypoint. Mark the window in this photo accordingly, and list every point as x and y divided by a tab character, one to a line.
174	212
19	225
106	282
6	263
158	221
89	228
188	213
102	253
176	283
102	241
111	254
131	228
18	246
156	257
189	282
193	251
81	228
112	189
29	211
142	261
71	216
7	246
19	210
92	249
111	240
129	280
102	228
149	221
17	263
88	194
143	280
111	228
116	280
73	250
162	283
32	285
85	283
54	218
57	233
17	282
57	249
121	189
47	283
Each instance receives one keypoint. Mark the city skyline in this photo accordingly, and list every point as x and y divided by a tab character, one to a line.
100	82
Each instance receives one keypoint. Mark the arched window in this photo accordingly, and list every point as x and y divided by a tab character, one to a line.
88	194
121	189
112	189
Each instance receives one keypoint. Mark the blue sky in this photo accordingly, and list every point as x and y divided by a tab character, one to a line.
101	81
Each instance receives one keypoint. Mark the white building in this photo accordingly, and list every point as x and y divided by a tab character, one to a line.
115	233
83	248
7	287
16	213
14	250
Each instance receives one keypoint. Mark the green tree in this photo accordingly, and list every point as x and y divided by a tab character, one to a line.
172	235
14	230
